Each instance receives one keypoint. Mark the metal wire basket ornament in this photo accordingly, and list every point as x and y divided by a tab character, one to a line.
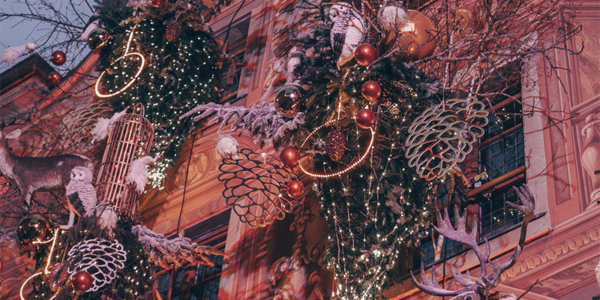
443	135
255	187
131	137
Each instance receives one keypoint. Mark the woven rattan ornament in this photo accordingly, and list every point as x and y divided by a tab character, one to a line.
129	138
443	135
335	145
255	187
173	30
99	257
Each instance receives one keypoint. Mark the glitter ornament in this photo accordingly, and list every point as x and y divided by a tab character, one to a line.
98	38
58	57
365	54
365	118
371	90
335	145
173	30
443	135
290	101
289	157
34	229
295	189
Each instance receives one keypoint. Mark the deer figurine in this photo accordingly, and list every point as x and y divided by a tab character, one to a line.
480	289
31	174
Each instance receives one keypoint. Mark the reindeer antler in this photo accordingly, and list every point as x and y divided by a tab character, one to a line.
485	282
527	208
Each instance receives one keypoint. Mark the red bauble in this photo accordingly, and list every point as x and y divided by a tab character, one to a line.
54	78
58	57
295	189
365	118
371	90
158	3
365	54
289	156
82	281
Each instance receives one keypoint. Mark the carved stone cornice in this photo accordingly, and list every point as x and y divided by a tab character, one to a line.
554	252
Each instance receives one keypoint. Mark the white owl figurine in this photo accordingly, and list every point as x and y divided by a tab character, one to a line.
348	31
81	194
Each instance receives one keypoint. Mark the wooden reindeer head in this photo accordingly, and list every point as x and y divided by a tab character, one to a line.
479	289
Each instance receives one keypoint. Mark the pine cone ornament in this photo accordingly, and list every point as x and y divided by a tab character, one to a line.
173	30
335	145
443	135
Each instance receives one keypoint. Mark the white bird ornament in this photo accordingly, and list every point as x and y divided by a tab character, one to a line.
348	31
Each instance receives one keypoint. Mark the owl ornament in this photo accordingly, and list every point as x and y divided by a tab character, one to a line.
81	194
348	31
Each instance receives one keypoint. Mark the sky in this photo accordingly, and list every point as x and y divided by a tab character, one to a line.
15	32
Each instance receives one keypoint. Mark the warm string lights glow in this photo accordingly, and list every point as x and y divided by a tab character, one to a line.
130	82
177	77
46	268
345	170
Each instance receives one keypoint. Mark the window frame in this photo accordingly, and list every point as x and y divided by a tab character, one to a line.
218	232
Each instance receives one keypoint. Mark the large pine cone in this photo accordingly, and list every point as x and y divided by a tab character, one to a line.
335	145
173	30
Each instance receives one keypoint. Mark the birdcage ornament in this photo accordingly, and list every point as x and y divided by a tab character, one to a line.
130	138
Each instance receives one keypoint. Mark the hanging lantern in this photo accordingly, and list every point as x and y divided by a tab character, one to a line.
130	138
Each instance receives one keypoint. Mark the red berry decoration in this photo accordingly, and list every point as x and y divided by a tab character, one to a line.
58	57
365	118
365	54
54	78
289	156
371	90
158	3
295	189
82	281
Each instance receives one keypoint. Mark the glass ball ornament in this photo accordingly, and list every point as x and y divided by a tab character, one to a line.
289	156
365	54
371	90
290	100
34	229
420	41
365	118
54	78
295	189
58	58
98	38
158	3
82	281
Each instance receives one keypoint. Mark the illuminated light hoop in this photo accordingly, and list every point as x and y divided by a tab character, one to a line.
97	86
338	173
46	272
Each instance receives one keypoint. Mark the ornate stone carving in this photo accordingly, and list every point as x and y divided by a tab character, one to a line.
301	256
553	252
590	156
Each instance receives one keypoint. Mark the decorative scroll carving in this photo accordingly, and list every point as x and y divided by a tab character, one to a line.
553	252
300	257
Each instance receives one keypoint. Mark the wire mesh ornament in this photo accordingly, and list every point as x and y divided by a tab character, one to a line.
99	257
255	187
130	138
443	135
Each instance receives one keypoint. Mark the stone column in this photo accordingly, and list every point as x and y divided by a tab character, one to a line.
590	155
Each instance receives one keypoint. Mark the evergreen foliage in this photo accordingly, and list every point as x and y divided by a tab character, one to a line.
178	76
